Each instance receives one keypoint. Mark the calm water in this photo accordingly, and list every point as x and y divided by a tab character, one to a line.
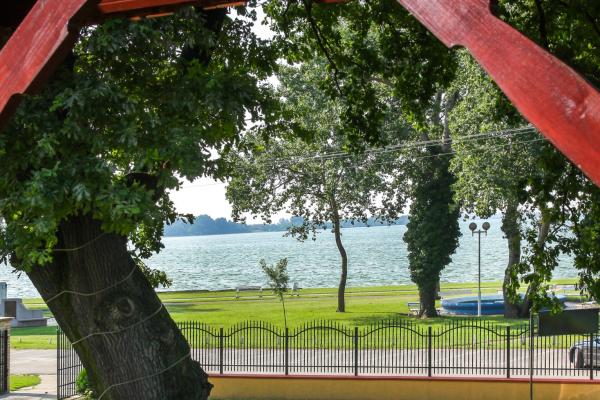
377	256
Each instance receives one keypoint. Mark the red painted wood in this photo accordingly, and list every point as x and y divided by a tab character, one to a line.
552	96
136	8
43	38
38	44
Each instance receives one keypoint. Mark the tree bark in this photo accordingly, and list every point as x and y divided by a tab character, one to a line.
145	356
427	297
510	227
344	256
543	232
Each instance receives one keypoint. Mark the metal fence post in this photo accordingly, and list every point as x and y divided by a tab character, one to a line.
6	361
429	352
592	356
508	352
356	351
287	351
58	364
221	351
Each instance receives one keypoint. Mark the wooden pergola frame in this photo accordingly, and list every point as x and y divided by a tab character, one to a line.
552	96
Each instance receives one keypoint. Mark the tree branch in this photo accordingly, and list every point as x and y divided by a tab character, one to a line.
322	43
542	24
587	15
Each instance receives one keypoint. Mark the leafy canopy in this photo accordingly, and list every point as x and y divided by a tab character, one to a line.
317	181
136	107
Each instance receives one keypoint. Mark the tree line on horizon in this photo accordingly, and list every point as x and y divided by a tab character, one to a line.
206	225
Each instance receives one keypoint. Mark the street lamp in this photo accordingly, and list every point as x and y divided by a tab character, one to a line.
473	227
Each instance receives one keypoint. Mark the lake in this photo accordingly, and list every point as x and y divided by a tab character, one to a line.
377	256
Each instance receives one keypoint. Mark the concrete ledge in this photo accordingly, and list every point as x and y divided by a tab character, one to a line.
309	387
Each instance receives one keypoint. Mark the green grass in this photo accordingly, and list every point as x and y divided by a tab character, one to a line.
365	306
23	381
33	338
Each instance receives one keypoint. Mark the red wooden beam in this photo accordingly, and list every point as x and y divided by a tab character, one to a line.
39	43
552	96
138	8
49	29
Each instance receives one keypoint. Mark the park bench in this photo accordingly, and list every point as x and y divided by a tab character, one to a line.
295	290
247	289
414	308
564	288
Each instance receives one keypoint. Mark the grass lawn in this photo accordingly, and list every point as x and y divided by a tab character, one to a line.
22	381
364	305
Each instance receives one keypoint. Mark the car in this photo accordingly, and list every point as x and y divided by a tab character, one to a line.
579	354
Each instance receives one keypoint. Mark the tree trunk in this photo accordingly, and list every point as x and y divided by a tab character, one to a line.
510	227
543	232
144	356
344	275
427	296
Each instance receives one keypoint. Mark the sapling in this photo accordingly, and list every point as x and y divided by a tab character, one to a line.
278	280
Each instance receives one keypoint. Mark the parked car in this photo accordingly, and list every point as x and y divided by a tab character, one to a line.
579	354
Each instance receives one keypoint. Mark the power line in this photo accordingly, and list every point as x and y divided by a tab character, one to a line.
356	163
508	133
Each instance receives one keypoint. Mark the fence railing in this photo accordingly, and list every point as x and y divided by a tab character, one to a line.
468	347
4	360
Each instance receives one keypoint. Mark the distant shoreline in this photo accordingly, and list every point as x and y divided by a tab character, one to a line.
204	225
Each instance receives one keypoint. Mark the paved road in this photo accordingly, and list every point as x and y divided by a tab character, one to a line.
39	362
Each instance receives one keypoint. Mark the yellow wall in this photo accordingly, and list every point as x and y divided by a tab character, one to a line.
335	388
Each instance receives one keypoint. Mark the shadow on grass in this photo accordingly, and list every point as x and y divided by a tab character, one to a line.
384	318
186	309
39	330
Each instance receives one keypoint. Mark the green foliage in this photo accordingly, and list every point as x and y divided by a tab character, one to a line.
156	277
433	231
316	181
365	44
83	386
137	106
278	280
277	275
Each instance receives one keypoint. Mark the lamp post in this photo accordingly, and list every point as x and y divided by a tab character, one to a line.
473	228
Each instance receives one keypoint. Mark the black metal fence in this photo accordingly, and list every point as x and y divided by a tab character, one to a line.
4	360
68	367
468	347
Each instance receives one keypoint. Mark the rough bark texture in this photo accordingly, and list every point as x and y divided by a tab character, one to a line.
344	275
146	347
510	227
427	297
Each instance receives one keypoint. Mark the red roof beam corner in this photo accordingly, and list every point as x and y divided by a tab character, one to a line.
47	30
37	46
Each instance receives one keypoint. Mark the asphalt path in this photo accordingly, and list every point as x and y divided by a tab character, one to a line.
38	362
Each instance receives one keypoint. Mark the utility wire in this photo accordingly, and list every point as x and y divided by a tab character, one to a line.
282	162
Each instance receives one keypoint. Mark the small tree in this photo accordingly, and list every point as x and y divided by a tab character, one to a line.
278	280
316	181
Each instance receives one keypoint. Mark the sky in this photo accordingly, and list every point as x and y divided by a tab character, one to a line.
203	196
